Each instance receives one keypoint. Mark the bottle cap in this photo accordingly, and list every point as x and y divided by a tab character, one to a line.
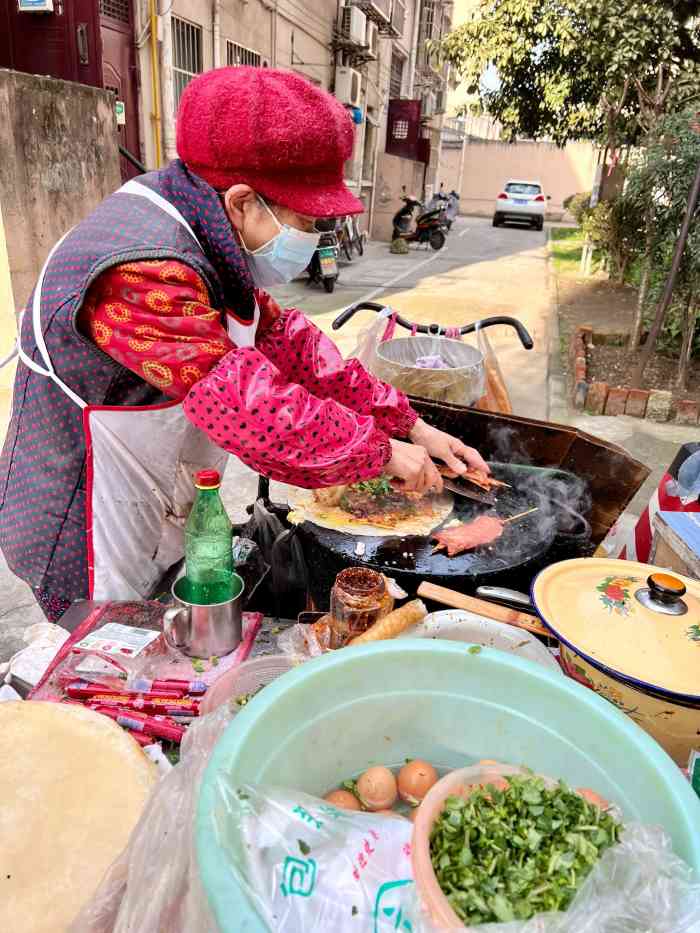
207	479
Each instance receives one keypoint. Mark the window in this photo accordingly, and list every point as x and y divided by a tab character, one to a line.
187	54
240	55
116	9
521	187
400	129
396	76
428	30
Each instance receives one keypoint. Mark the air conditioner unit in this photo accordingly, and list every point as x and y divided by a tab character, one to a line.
353	24
372	39
348	86
378	10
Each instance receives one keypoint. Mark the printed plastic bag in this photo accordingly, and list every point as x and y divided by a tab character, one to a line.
368	339
306	865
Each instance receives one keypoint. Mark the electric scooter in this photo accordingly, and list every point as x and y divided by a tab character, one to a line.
323	268
428	228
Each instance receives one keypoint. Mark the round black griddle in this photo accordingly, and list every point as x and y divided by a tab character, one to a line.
556	530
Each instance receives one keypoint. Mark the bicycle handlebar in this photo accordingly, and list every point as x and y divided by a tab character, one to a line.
436	330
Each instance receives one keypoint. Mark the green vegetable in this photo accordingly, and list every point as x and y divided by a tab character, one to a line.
475	649
381	486
213	660
198	665
245	698
304	847
502	855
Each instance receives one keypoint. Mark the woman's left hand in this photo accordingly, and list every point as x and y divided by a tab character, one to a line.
442	446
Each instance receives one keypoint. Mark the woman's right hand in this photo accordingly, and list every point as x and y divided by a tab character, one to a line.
411	464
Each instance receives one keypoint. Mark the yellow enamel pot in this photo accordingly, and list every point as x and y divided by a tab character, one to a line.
630	631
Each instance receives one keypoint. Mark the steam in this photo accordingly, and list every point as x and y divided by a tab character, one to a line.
563	500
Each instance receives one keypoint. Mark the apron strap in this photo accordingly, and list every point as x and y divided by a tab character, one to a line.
131	187
135	187
49	372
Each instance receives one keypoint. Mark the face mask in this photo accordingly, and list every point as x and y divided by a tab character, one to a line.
282	258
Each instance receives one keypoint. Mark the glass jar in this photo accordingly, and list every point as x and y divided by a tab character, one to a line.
359	597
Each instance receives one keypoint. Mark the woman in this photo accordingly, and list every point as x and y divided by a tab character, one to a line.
149	350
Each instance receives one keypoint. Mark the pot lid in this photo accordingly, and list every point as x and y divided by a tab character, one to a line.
639	622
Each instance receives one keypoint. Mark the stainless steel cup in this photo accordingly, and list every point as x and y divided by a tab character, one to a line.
203	631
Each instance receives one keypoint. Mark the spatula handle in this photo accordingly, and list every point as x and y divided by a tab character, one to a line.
447	597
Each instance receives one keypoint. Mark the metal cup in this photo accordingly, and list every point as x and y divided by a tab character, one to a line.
203	631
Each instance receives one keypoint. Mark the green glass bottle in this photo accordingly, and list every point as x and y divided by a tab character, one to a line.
208	538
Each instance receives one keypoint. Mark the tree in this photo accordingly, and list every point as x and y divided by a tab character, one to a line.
579	69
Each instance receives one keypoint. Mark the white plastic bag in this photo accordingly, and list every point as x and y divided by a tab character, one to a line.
308	866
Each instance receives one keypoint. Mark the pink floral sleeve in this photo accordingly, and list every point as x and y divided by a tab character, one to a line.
248	406
303	354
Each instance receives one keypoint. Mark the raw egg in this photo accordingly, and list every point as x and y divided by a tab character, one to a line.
415	780
376	788
343	799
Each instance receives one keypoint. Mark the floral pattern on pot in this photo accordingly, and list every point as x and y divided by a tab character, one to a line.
693	633
616	596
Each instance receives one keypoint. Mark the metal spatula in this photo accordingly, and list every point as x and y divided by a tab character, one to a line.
468	491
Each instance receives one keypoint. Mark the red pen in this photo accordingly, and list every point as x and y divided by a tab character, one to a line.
85	690
139	722
182	687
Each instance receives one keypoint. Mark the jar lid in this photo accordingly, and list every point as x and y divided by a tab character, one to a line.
208	479
634	621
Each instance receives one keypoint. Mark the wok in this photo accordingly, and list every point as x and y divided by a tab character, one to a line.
526	546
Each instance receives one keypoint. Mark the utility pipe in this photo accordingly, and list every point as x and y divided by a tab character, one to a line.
413	57
155	82
168	86
216	32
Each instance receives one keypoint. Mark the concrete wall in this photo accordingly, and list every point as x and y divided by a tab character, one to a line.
489	164
58	160
392	173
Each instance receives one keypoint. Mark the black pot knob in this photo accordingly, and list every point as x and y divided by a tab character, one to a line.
665	588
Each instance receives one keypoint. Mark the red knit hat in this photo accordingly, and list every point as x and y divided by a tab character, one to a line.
272	130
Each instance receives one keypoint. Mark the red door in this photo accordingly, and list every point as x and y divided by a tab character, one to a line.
120	75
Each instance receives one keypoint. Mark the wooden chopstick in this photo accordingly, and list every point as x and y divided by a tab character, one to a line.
520	515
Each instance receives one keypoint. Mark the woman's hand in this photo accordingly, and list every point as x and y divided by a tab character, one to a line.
443	446
411	464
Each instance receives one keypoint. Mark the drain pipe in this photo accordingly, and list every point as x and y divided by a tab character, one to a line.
413	57
216	32
168	85
155	82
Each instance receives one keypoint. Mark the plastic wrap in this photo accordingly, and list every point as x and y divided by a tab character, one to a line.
154	884
495	397
306	865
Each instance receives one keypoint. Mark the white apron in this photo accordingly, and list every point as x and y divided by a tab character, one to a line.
141	463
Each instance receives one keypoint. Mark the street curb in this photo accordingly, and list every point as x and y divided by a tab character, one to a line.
557	407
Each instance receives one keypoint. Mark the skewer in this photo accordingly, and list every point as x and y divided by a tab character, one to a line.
520	515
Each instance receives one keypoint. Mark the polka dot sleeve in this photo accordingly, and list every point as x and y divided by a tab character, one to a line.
250	408
304	354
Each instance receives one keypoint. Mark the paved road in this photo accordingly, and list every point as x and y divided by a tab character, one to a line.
481	272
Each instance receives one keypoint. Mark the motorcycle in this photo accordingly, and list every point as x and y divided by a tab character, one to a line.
323	268
428	228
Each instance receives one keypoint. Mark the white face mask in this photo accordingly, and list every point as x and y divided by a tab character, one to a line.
282	258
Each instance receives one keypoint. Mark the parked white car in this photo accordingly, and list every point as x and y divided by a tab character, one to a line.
521	200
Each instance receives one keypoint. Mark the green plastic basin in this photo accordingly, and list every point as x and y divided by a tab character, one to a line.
380	704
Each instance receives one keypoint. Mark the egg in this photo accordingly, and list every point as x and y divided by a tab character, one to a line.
342	799
376	788
415	780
